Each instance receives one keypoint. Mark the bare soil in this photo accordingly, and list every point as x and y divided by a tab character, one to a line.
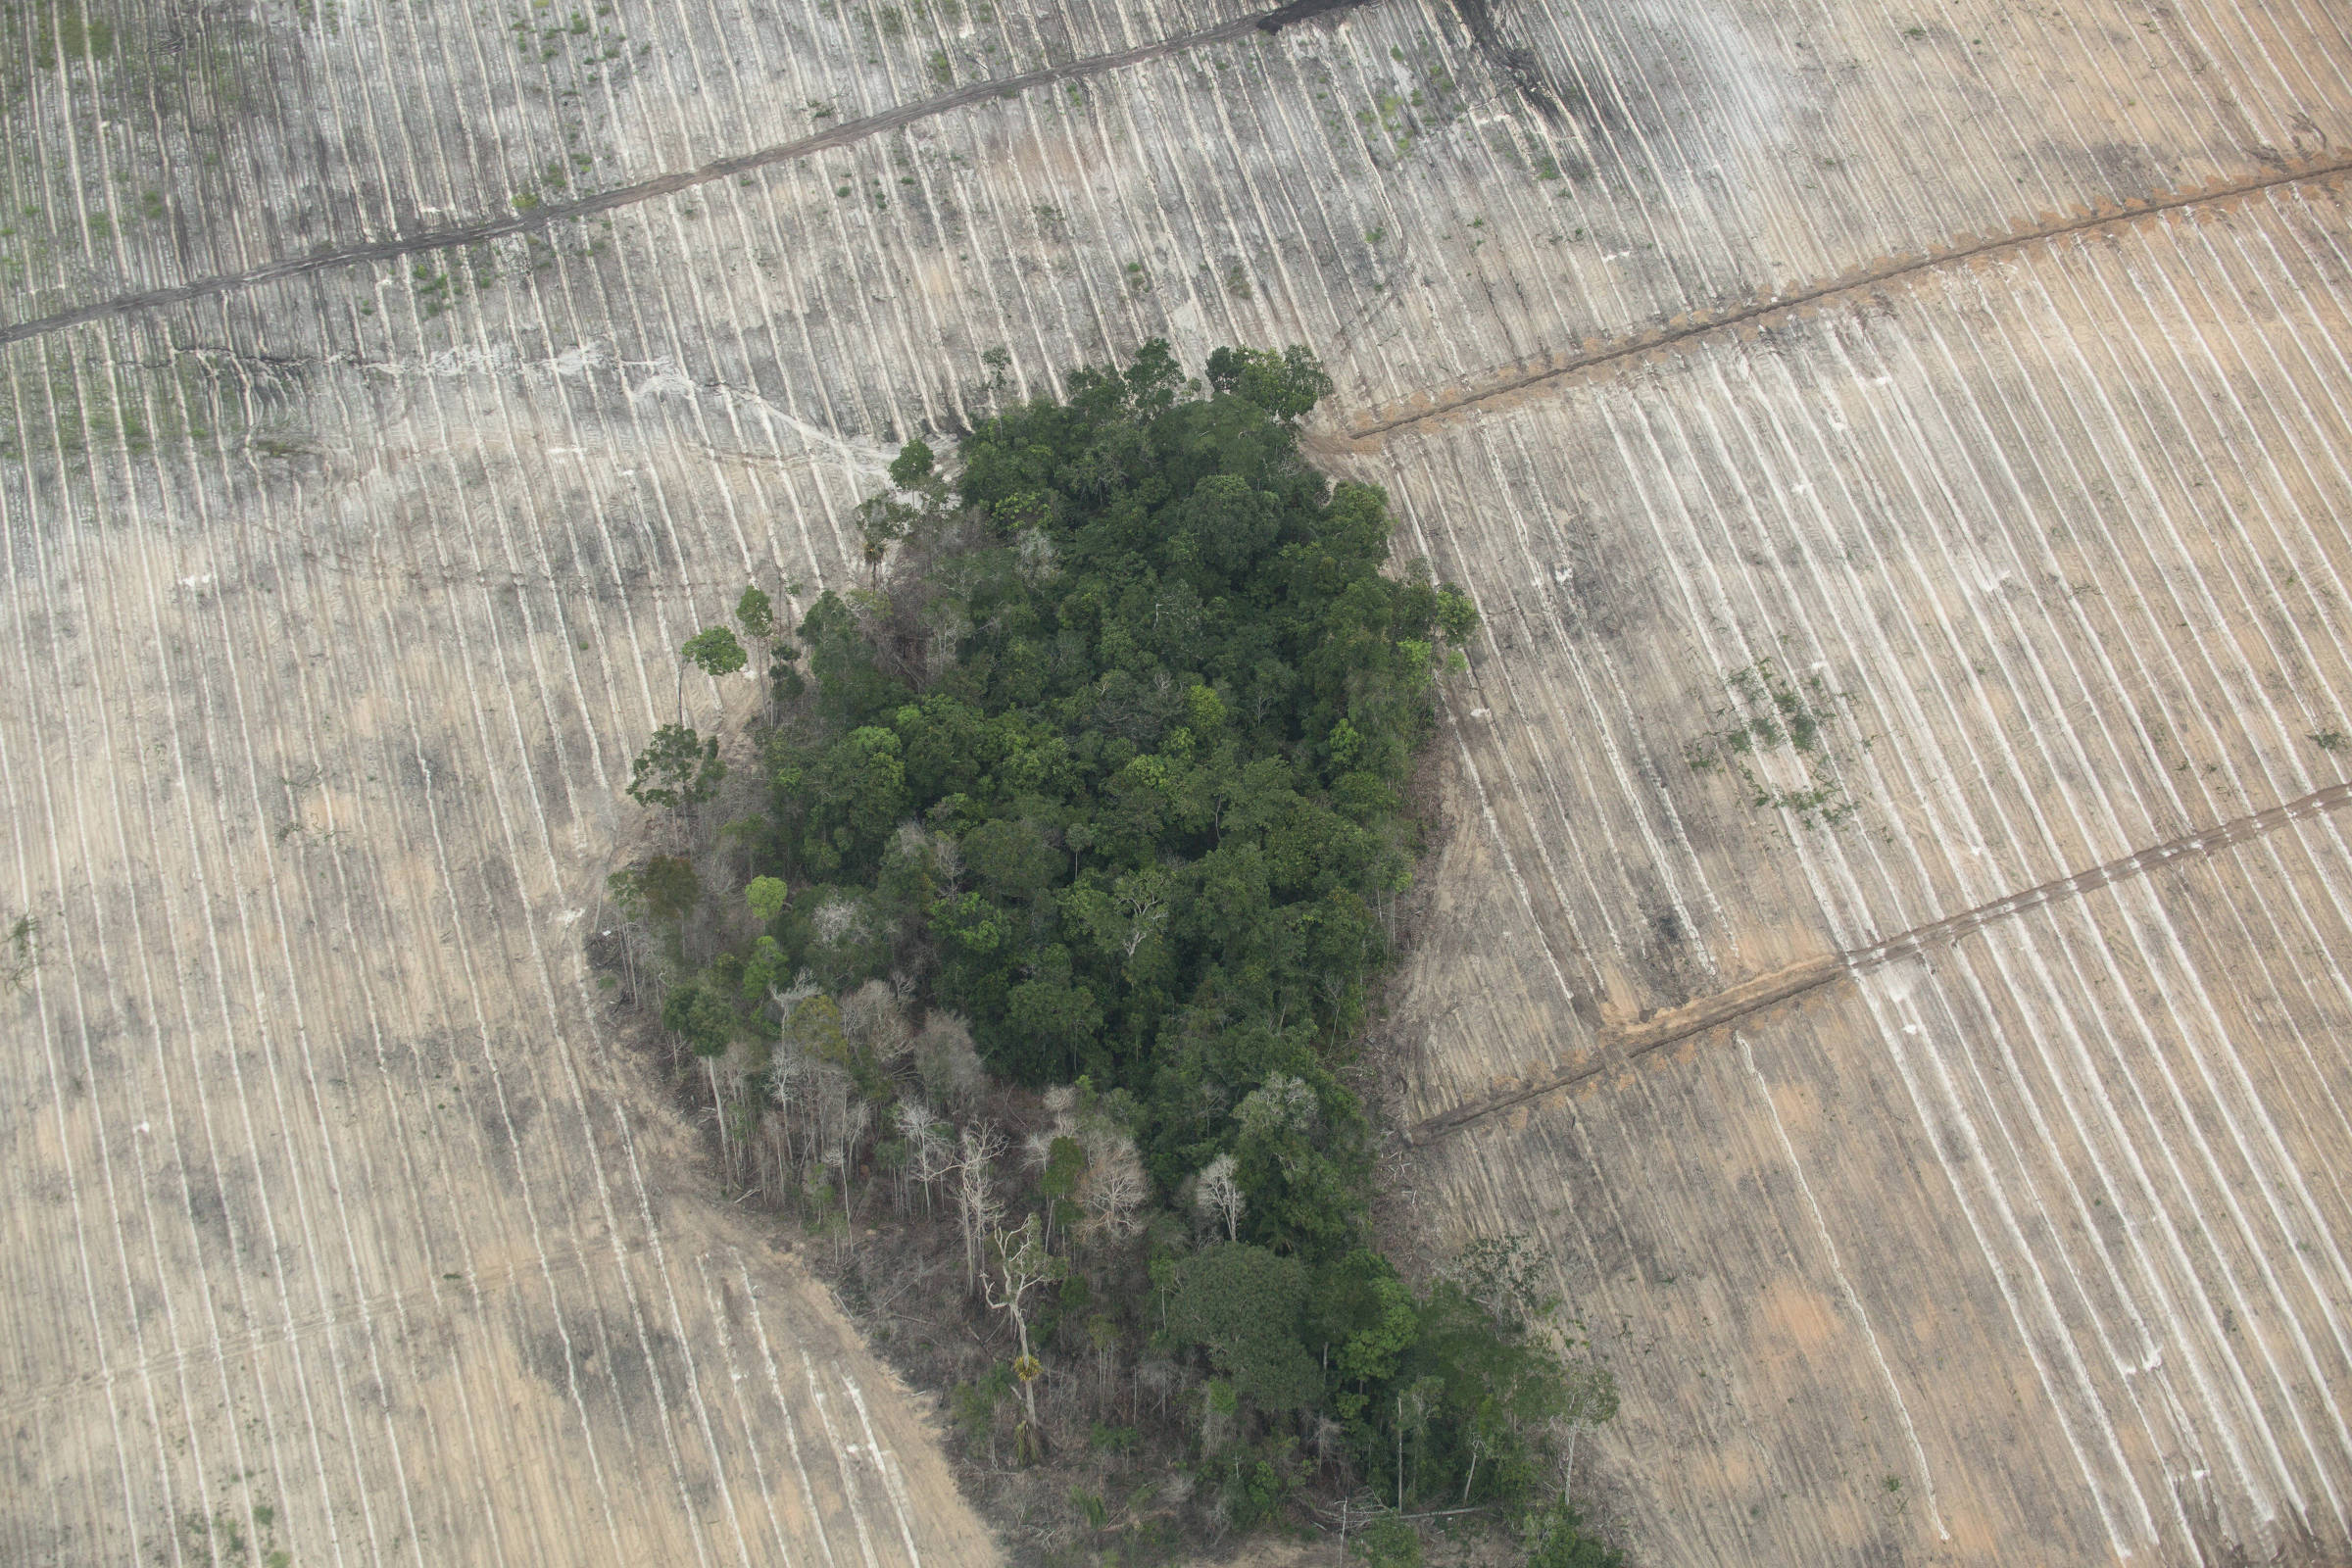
340	1222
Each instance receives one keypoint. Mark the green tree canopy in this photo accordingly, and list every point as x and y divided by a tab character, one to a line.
668	885
912	466
768	895
1157	682
756	613
701	1017
678	767
716	651
1104	770
1243	1303
1286	384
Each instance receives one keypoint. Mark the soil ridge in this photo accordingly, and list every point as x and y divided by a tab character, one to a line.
1605	353
550	214
1620	1043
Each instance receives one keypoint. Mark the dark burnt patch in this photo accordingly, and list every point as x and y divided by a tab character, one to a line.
1517	65
1302	10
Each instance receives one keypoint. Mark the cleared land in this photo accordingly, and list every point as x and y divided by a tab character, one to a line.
1950	400
2035	1215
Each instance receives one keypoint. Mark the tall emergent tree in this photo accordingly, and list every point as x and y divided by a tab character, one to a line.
716	652
678	767
756	614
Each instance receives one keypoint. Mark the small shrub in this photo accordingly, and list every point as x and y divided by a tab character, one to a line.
1387	1543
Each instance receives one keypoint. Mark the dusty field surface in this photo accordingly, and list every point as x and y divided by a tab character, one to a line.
2032	1221
1895	944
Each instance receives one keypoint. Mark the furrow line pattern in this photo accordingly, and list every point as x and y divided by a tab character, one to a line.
1605	353
1622	1043
552	214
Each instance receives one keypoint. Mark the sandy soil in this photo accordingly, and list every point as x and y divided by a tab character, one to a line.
1721	349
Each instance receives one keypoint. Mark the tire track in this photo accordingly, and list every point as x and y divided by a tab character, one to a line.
1620	1043
1606	351
552	214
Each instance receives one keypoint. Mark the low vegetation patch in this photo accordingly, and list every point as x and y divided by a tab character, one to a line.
1032	980
1773	735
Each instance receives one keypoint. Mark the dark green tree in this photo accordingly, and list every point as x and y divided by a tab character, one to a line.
1243	1303
1105	769
1286	384
669	887
756	614
678	767
911	468
703	1019
716	651
882	521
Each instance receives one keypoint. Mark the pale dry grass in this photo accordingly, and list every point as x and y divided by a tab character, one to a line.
337	603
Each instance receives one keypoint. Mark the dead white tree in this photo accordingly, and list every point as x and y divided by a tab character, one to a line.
1023	1263
948	1064
1110	1185
790	1085
1102	1333
1591	1400
947	859
1061	1100
928	1156
1113	1190
874	1018
848	1129
978	1209
1217	1195
730	1075
1142	897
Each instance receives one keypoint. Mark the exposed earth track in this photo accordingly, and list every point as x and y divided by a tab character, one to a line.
1887	271
549	215
1623	1043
